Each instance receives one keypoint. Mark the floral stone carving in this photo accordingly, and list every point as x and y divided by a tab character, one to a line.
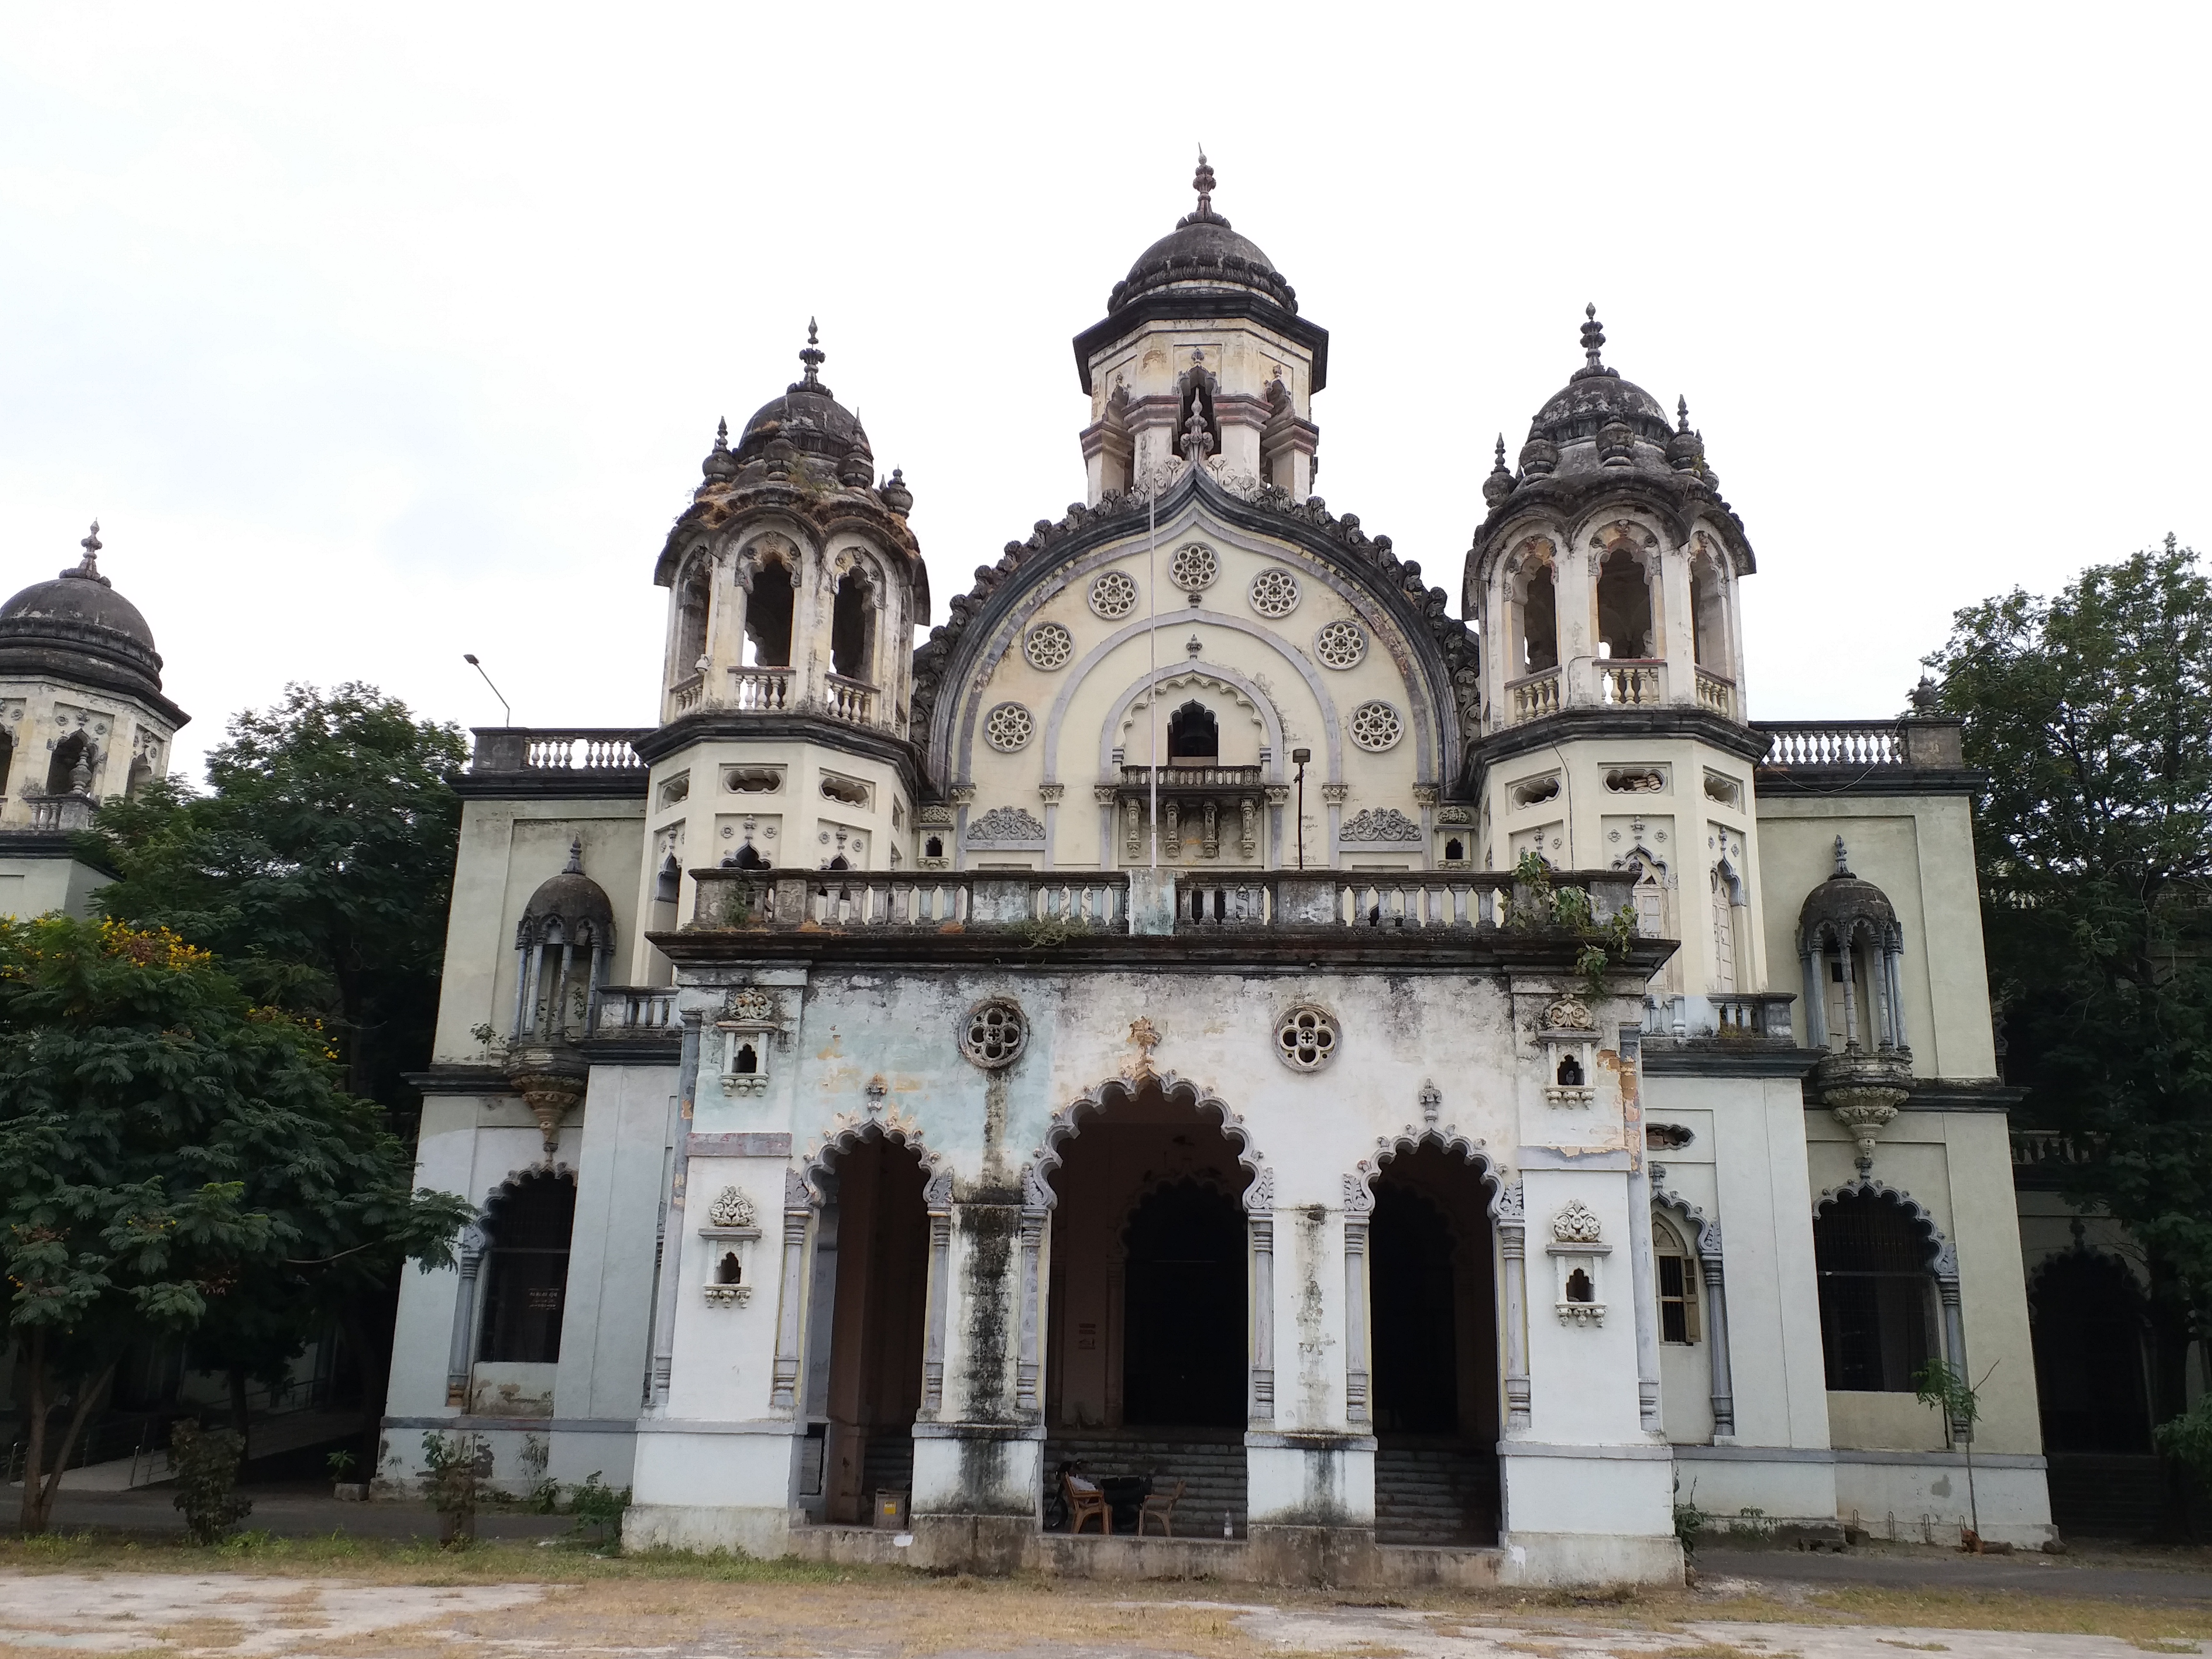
1006	826
1577	1223
1385	824
731	1208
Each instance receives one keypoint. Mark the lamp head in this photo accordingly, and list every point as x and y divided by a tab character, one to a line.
1300	757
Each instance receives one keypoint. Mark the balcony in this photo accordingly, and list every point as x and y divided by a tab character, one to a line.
60	814
634	1011
760	691
1717	693
519	762
1630	682
851	701
1187	777
1532	696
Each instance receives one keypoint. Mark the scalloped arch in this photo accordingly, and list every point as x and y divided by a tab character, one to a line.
1067	1123
1449	1139
845	1133
1945	1263
1707	1231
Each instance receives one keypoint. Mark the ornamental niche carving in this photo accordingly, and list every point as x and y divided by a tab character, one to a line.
1340	644
1006	826
1577	1223
1569	1014
1274	592
1383	824
750	1006
1194	567
731	1208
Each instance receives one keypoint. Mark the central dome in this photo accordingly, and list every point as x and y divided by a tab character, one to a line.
806	414
1202	250
77	626
1594	396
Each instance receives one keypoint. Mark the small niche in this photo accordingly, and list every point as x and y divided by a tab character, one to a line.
747	1063
732	1271
1579	1288
676	789
1725	790
1454	849
1571	1072
1666	1136
934	846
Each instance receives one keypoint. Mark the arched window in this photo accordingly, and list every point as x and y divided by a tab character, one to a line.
1874	1261
691	623
1540	623
1193	736
70	753
1624	607
1709	618
852	630
1650	894
768	617
527	1268
746	1061
1677	1283
1198	398
747	856
1727	903
142	770
7	760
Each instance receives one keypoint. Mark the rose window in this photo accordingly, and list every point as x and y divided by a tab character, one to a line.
1113	595
1010	726
1306	1040
1194	567
1340	644
1376	726
1274	592
993	1034
1048	646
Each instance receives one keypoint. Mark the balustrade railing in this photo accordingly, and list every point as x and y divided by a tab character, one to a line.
850	700
1195	777
1533	695
1630	682
1012	900
2042	1148
56	814
1833	742
1716	692
1761	1015
685	694
764	690
557	749
647	1010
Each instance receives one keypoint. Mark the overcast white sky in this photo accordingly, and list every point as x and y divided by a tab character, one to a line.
379	334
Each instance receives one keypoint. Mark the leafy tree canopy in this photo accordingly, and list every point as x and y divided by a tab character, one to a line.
173	1155
318	866
2091	713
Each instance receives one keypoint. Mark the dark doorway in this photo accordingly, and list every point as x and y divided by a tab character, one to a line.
872	1250
1432	1343
69	753
1540	623
527	1268
767	618
1624	607
2089	1333
1871	1258
1184	1360
1193	736
851	627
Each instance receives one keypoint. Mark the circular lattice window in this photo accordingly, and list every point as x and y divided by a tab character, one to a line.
1274	592
1340	644
1048	646
1010	726
993	1034
1306	1040
1113	595
1376	726
1194	567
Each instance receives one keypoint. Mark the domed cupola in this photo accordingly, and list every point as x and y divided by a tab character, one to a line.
1202	346
807	418
570	909
1852	952
1202	253
1844	909
77	627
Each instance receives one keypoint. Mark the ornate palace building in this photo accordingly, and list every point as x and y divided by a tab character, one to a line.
1420	1091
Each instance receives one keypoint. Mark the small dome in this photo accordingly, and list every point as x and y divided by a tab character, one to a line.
806	414
570	909
78	622
1203	250
1597	395
1843	906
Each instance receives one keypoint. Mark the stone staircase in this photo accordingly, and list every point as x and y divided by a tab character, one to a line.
1435	1492
1210	1463
2106	1494
886	1465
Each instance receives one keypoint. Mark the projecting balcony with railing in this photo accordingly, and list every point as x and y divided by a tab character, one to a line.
554	752
1834	751
1183	777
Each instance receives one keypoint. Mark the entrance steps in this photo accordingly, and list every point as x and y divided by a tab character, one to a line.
1434	1493
1210	1462
887	1464
2106	1494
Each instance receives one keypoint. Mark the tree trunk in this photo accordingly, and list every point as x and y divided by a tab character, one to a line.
241	1419
2169	1391
32	1516
370	1338
42	1484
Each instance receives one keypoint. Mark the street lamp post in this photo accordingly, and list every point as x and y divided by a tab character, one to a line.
506	714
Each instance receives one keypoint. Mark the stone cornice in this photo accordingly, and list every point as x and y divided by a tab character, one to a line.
1207	305
724	725
1571	725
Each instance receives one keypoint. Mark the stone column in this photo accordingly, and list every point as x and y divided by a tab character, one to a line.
1643	1276
1260	1216
472	1242
1028	1368
679	1174
1716	1335
1816	998
1954	1326
1358	1204
1513	1248
798	1211
1851	994
939	1198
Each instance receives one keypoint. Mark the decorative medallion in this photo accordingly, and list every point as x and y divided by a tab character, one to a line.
1569	1014
1577	1223
1274	592
750	1006
1049	646
1306	1039
1340	644
1009	726
731	1208
1194	567
1375	726
1380	824
1113	595
993	1034
1006	826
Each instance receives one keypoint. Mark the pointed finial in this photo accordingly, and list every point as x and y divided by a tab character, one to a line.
722	432
813	356
1499	466
575	858
89	567
1843	865
1681	414
1593	335
1203	182
92	543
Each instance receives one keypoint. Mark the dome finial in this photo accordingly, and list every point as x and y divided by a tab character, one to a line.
1593	336
1203	182
1681	414
87	569
1843	864
575	858
813	356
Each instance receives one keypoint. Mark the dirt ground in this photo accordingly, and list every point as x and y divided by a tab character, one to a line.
336	1598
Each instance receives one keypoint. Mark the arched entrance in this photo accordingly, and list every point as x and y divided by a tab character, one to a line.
865	1326
1148	1328
1433	1281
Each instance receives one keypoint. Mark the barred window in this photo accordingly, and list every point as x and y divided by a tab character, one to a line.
1678	1285
1873	1258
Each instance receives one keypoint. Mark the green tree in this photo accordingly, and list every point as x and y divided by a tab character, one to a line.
318	866
171	1150
2092	715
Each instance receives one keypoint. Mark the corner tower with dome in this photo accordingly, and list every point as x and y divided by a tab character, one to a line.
81	719
1391	1095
